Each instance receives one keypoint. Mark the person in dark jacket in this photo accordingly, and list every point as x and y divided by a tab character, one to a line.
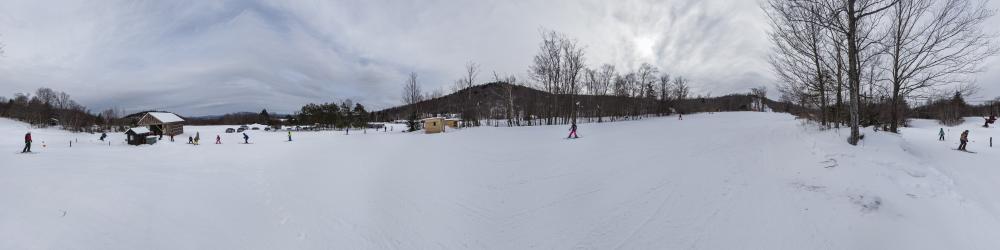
941	135
27	143
103	135
572	132
964	140
218	139
246	138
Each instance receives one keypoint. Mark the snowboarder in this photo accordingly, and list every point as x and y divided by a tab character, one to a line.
964	140
941	135
103	135
27	143
289	135
246	138
572	132
218	139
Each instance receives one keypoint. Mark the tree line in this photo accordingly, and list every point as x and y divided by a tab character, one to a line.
865	62
48	107
561	89
347	114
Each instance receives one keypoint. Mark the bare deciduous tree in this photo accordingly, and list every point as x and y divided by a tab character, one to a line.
412	93
934	43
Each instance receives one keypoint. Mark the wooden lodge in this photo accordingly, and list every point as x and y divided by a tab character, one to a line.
163	123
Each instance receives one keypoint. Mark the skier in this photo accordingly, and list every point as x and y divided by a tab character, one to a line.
246	138
680	116
218	140
197	138
190	140
171	138
27	143
103	135
964	140
572	132
941	135
289	135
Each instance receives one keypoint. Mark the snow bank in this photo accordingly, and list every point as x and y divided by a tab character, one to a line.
711	181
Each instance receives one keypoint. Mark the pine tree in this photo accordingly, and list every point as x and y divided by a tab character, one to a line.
411	122
265	118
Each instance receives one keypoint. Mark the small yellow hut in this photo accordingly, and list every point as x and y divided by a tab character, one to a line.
452	122
433	125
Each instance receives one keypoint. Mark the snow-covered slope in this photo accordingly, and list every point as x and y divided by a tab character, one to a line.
711	181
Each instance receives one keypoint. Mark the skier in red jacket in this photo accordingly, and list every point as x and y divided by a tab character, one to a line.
27	143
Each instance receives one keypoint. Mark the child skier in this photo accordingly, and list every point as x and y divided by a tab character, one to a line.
218	139
246	138
27	143
964	140
941	135
190	140
197	138
572	132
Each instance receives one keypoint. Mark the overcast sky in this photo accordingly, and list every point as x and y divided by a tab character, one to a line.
199	57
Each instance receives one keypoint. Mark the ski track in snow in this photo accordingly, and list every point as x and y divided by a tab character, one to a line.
711	181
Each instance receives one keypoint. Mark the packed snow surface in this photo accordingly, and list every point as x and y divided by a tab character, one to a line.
710	181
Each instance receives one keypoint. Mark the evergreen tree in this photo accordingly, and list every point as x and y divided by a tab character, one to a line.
411	122
360	115
265	118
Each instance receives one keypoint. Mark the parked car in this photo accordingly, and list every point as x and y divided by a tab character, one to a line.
230	130
256	128
240	130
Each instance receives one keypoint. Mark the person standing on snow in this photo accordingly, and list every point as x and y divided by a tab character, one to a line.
572	132
27	143
218	139
197	138
289	135
680	116
103	135
190	140
941	135
964	140
246	138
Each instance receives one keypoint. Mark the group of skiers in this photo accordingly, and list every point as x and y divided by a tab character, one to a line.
218	139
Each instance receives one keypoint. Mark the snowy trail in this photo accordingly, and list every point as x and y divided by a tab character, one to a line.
711	181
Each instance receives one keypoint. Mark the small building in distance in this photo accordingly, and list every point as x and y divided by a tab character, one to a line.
137	135
433	125
452	122
162	123
375	125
